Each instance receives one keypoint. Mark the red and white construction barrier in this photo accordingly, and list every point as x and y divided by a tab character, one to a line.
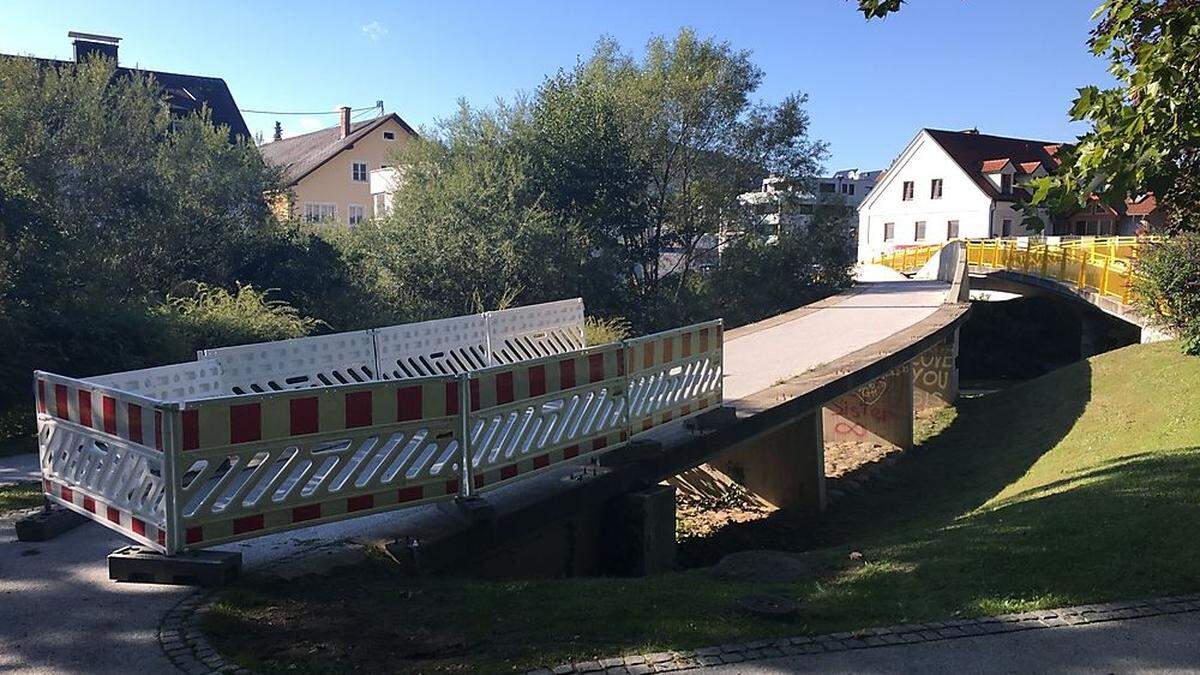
256	439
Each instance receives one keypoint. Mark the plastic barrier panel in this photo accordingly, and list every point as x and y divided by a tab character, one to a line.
324	360
674	374
252	465
102	455
439	347
532	415
524	333
176	382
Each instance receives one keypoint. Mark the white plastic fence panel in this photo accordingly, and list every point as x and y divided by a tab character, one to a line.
323	360
101	455
438	347
531	332
177	382
532	415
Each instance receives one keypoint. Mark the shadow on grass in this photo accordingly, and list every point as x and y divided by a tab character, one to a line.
990	443
1123	531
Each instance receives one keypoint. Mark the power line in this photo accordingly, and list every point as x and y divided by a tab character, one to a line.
323	112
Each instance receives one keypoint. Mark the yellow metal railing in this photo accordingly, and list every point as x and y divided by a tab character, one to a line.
908	259
1101	264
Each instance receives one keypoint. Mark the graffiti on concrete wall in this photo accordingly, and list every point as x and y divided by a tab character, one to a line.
935	377
879	411
853	417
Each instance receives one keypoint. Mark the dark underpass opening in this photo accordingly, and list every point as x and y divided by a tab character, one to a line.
1029	336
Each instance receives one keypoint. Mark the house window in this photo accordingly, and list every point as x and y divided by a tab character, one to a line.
951	229
317	212
889	231
852	189
356	213
1006	228
919	231
804	209
380	204
389	135
1006	183
828	188
843	188
908	190
935	188
358	171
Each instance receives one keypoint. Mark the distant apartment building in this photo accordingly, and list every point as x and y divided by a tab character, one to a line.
781	203
328	172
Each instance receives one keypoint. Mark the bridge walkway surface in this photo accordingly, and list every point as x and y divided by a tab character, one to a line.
60	613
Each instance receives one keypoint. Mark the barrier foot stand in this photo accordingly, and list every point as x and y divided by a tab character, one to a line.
711	420
136	564
48	523
475	509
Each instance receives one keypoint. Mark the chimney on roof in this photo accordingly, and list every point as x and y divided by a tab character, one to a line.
88	44
345	110
972	130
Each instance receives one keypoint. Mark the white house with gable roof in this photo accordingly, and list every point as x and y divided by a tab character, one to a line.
949	184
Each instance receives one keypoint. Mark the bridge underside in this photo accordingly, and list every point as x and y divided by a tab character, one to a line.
1019	283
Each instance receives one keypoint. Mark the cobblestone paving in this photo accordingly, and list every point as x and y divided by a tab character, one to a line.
666	662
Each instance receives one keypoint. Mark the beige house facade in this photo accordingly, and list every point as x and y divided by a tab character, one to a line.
328	171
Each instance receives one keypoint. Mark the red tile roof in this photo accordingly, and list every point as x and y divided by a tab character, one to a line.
995	165
1141	207
1029	167
975	154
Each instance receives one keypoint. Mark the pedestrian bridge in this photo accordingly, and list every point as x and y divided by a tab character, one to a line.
1099	271
474	434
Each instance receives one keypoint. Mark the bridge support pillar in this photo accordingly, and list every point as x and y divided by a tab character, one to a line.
935	376
784	466
639	532
880	412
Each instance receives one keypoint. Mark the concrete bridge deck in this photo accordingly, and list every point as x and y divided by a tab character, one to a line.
762	354
61	614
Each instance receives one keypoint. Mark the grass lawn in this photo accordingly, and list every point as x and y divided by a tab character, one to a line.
18	445
17	496
1079	486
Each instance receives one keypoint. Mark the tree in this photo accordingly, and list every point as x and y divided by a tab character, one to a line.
1145	132
596	175
107	205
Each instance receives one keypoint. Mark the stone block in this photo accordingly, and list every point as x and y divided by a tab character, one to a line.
639	532
136	564
48	524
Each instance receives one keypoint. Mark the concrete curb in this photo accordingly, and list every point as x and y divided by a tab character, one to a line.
674	661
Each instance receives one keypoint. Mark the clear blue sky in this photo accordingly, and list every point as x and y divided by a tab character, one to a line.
1007	66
